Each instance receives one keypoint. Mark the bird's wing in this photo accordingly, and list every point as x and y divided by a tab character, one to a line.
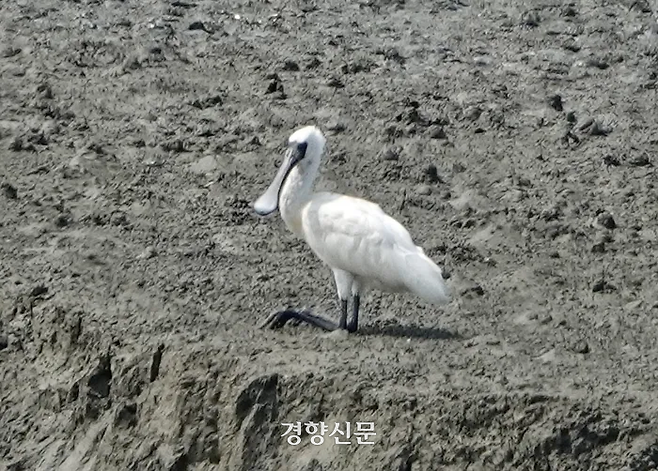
355	235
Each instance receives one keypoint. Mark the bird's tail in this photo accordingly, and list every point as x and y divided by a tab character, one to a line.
425	279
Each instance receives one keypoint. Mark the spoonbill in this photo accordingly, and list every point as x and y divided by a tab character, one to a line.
363	246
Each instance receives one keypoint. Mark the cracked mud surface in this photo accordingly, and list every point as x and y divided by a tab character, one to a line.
516	141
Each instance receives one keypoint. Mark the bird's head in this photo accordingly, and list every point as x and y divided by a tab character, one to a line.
305	147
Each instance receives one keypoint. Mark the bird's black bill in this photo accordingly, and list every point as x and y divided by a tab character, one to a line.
269	201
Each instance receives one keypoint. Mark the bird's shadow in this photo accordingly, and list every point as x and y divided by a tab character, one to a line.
394	329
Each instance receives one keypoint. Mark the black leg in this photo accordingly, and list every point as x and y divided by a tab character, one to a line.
354	322
278	319
343	314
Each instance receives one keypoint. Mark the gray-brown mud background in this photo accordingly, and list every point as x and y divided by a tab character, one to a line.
516	141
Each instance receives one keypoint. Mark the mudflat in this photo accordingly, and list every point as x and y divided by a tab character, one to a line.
515	140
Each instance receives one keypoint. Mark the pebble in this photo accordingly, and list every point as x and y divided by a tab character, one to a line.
17	144
606	220
432	174
602	286
391	153
335	82
545	319
9	191
149	252
598	247
10	51
336	126
472	113
555	102
437	132
475	289
530	18
569	11
597	129
198	26
291	66
580	347
62	220
571	45
640	161
274	85
597	62
424	190
587	122
38	290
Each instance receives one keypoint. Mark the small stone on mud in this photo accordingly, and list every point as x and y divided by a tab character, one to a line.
336	126
10	51
38	290
335	82
586	123
437	132
431	174
545	319
602	286
606	220
475	289
530	18
569	12
555	102
570	44
62	220
597	62
424	190
196	26
274	86
571	117
314	63
9	191
149	252
472	113
16	144
597	129
598	247
640	161
580	347
291	66
391	153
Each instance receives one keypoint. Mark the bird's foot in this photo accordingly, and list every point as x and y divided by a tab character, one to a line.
278	319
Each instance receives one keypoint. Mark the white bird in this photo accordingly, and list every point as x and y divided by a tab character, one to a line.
363	246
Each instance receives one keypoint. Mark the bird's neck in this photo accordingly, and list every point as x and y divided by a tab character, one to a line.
296	192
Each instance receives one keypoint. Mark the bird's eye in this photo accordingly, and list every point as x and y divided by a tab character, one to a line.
301	148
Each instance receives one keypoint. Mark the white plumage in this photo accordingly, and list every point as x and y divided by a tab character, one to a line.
362	245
